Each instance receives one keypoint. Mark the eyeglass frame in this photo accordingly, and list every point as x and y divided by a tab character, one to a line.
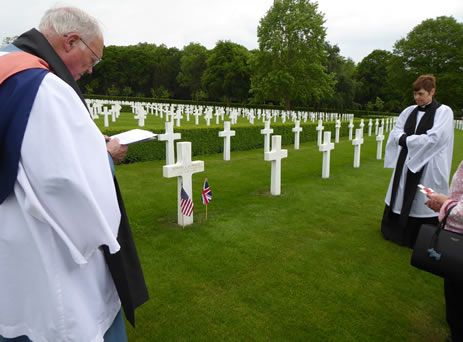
98	59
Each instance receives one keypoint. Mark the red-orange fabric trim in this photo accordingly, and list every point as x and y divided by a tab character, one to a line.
15	62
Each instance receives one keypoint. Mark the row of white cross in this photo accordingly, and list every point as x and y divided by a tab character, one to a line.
184	168
176	113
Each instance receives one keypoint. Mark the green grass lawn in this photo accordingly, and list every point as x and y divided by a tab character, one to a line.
309	265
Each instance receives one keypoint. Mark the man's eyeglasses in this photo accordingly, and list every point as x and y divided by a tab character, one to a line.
98	59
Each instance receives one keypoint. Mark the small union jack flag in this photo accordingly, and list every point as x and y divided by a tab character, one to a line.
206	196
186	204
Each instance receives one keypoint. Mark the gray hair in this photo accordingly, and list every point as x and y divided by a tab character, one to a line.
64	20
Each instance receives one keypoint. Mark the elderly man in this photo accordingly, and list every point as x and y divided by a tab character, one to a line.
67	257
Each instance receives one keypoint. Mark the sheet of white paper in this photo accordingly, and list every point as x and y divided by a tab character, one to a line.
133	136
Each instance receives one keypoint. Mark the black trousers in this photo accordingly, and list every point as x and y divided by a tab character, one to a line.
454	308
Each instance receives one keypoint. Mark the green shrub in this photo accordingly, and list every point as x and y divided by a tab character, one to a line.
206	140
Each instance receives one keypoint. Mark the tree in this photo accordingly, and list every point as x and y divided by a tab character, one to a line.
343	71
372	77
192	67
433	47
227	73
290	63
8	40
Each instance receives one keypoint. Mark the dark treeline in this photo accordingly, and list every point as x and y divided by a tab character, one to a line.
290	68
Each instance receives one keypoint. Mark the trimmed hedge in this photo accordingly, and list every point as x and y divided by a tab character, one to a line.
206	140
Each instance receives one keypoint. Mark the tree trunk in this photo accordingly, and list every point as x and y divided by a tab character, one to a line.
287	104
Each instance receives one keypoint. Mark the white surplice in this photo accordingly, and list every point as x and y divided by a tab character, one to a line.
54	282
432	150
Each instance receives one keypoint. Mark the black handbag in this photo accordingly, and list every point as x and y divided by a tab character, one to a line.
439	251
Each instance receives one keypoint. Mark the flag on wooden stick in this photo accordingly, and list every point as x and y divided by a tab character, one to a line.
207	193
186	204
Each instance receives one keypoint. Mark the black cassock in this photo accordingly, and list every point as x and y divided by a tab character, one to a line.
402	228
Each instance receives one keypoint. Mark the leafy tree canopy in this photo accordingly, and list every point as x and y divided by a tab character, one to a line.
435	47
290	63
227	73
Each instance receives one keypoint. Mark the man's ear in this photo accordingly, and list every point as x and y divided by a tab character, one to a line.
70	40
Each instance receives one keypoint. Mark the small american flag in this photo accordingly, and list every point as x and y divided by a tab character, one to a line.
206	196
186	204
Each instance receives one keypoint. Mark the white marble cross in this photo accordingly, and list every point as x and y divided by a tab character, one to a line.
351	126
319	128
370	123
183	170
376	127
141	116
357	142
275	156
106	113
208	117
338	126
197	114
379	139
326	148
178	117
297	130
169	136
267	131
226	134
217	116
362	124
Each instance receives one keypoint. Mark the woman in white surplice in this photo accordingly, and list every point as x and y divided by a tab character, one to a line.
419	149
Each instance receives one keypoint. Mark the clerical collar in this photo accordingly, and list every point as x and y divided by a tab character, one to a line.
423	108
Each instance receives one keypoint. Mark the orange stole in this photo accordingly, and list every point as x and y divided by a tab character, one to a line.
15	62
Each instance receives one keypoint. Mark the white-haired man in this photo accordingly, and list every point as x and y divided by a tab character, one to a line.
67	257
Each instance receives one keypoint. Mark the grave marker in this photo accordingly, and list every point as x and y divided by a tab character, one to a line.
183	170
297	130
351	126
326	148
267	131
319	128
226	134
169	136
275	156
379	139
338	126
357	142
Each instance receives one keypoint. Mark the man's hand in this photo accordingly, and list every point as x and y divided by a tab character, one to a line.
117	151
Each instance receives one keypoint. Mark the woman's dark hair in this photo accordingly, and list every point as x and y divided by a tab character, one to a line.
426	82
